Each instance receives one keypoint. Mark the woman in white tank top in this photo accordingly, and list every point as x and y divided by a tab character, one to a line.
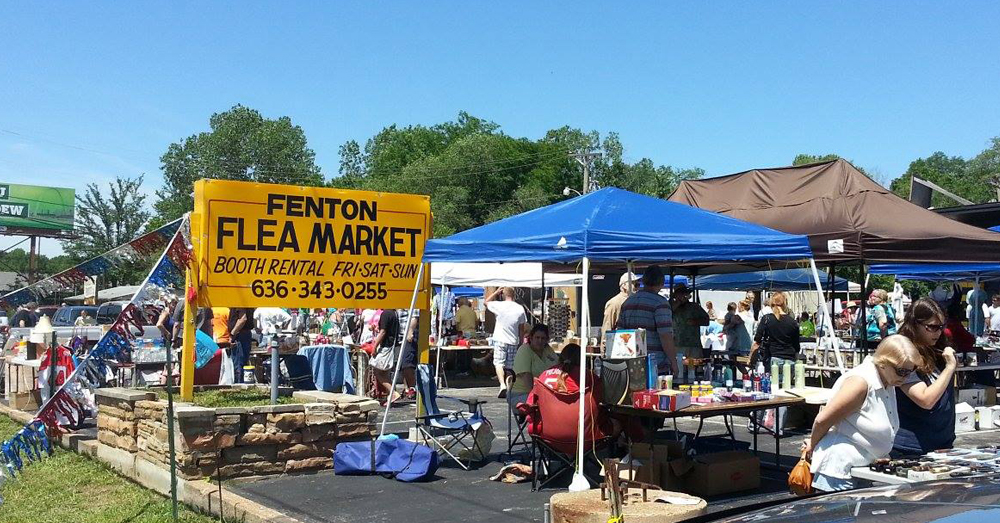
859	423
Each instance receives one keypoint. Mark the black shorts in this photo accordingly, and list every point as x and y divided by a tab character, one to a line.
409	356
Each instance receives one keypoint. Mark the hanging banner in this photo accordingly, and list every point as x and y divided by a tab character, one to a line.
264	245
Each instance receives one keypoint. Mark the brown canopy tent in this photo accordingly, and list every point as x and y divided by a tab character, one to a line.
847	216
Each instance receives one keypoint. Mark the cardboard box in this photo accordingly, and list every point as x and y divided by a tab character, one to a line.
989	394
671	400
985	416
964	418
974	397
995	412
626	343
653	362
645	399
648	460
25	400
712	474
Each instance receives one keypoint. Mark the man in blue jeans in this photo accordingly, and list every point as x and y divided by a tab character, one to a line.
240	333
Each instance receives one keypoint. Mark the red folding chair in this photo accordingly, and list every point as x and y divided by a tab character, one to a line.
553	424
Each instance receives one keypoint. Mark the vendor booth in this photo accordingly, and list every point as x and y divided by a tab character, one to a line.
849	218
617	228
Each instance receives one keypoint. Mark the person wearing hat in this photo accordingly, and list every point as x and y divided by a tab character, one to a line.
646	309
613	308
689	317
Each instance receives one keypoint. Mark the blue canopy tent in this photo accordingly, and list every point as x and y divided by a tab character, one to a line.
934	272
616	226
778	280
613	226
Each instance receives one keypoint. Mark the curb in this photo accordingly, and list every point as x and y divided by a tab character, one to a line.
200	494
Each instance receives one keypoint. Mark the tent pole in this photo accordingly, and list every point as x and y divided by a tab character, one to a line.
440	336
628	269
543	294
580	482
399	360
830	337
863	310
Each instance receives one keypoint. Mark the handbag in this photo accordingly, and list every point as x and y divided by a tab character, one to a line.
383	359
800	479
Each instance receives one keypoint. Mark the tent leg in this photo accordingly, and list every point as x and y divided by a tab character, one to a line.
863	311
580	482
440	336
399	360
828	321
545	294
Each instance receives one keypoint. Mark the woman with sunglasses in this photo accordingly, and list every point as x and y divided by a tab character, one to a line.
859	423
927	398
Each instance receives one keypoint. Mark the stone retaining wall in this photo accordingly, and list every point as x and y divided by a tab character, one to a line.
240	441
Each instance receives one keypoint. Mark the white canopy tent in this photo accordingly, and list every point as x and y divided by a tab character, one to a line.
499	275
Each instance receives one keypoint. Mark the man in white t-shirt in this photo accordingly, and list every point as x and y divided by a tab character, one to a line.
511	323
993	314
269	321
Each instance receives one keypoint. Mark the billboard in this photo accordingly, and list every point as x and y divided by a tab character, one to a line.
36	207
263	245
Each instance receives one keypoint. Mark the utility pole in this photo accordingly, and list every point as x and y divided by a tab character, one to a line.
584	157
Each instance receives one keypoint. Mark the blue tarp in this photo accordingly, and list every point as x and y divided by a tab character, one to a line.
778	280
940	271
614	225
459	292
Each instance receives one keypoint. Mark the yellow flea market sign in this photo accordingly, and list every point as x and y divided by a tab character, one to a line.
264	245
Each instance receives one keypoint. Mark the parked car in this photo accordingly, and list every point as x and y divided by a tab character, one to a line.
48	310
108	312
960	500
66	316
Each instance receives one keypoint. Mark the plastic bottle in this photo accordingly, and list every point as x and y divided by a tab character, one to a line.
757	381
775	369
800	375
786	376
747	383
729	379
765	384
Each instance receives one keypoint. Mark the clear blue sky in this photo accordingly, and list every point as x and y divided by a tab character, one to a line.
95	90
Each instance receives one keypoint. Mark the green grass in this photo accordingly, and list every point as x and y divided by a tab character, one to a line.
69	488
232	398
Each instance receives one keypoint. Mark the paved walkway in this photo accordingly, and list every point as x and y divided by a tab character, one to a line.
458	495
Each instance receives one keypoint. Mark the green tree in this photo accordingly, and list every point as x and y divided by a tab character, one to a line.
982	178
107	218
939	168
241	145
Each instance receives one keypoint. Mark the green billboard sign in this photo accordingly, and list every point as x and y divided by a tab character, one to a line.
32	206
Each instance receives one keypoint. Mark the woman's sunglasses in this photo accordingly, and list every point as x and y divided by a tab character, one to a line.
933	327
902	373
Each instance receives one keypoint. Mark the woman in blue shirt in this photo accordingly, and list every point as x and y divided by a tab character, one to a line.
926	400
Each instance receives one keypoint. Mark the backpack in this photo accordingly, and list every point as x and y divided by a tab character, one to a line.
872	330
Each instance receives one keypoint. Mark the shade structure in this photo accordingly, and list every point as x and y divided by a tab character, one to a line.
939	271
614	225
499	275
847	216
778	280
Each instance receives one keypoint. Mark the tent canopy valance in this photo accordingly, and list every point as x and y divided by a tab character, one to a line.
778	280
614	226
847	216
939	271
499	275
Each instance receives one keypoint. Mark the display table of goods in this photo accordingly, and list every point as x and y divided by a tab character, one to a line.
943	464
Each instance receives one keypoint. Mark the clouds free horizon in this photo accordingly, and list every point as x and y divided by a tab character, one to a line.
93	91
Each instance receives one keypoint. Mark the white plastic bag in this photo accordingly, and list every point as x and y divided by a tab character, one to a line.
226	369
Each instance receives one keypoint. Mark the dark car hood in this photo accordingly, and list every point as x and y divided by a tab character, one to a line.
963	500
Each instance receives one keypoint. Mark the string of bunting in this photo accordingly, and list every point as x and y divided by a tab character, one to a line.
67	406
70	279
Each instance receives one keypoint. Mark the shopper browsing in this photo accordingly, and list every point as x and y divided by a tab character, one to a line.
860	422
926	398
646	309
511	323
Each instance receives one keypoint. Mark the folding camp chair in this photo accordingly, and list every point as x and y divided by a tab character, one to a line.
453	427
552	424
513	415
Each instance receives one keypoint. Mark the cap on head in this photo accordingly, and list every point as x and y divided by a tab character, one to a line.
627	277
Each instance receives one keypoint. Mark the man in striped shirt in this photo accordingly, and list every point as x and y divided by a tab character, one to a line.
648	310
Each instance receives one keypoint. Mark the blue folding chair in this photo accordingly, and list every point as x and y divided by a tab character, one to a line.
450	431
